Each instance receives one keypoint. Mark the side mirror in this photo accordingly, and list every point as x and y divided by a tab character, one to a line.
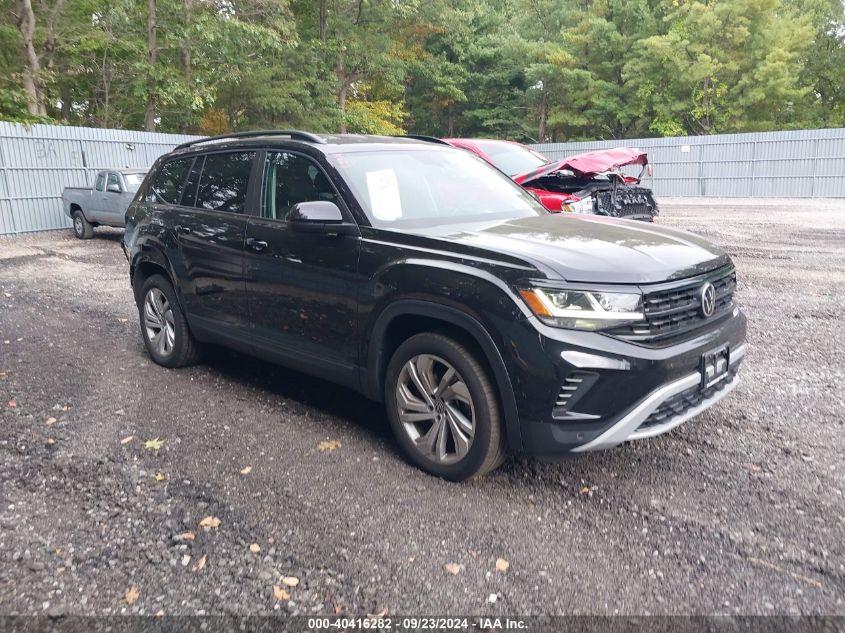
113	189
319	216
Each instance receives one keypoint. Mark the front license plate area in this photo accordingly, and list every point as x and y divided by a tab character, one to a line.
714	366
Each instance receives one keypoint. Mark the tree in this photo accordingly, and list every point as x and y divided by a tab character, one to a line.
520	69
722	66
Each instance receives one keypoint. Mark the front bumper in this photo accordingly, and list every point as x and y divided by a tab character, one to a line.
631	426
620	390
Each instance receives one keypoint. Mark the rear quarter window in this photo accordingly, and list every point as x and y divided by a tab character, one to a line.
169	181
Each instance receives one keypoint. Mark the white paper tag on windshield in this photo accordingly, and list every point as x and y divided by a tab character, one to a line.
385	202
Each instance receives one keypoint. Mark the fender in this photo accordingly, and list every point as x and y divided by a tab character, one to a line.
373	381
153	253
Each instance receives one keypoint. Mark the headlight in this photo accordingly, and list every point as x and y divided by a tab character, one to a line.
581	206
584	309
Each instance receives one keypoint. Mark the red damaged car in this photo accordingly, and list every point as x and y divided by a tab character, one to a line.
585	183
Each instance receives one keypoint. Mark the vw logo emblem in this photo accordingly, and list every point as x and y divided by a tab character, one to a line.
708	299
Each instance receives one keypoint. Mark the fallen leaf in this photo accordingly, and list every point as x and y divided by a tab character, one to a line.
290	581
210	521
122	320
50	441
50	420
246	470
127	439
452	568
585	490
380	614
12	404
502	565
160	477
753	468
159	613
255	548
186	536
131	595
154	445
200	563
280	594
338	609
473	553
328	445
2	375
185	560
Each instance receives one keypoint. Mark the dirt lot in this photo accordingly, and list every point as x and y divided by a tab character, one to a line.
739	511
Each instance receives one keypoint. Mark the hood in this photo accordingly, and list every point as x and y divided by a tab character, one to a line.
588	164
591	248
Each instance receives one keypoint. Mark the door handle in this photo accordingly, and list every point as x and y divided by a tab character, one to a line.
256	245
182	230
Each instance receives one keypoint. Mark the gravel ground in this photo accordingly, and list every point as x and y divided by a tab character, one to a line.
738	511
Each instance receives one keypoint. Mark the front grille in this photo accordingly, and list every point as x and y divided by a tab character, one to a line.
633	203
674	311
682	402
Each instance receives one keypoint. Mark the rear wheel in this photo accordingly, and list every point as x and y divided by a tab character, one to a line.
443	408
82	228
163	326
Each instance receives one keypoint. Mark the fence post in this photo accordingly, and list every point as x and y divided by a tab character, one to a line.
753	168
7	192
700	147
815	163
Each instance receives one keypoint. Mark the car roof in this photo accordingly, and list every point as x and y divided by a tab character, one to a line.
475	141
324	143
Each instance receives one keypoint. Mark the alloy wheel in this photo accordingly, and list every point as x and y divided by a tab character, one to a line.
435	408
158	322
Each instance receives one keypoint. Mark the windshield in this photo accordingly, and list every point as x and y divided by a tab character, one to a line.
419	188
511	158
133	181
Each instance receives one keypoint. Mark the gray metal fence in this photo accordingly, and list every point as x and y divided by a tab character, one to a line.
38	161
793	164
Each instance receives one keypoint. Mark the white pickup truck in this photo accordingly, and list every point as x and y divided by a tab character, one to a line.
105	203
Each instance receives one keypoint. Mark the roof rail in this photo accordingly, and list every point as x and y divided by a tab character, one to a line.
293	134
423	137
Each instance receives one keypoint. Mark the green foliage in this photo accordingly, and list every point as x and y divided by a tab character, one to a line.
521	69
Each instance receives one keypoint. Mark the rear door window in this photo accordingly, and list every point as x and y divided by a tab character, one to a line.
101	182
169	181
224	181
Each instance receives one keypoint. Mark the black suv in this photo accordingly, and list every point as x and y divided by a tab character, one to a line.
420	276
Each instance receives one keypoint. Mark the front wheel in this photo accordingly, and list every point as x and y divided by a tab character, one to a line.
82	228
163	326
443	408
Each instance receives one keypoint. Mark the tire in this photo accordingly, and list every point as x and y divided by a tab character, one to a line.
454	451
164	329
82	228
